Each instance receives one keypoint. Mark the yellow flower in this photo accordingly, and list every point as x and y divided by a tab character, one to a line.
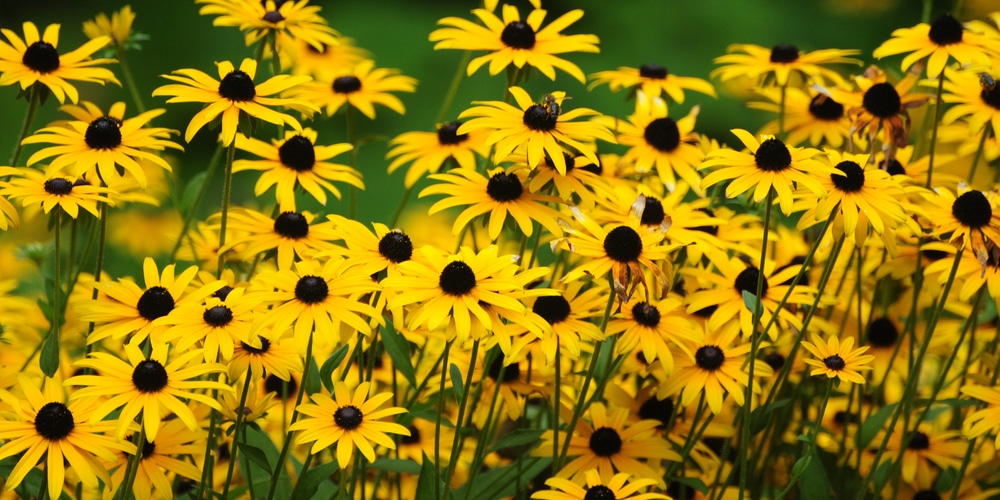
285	19
837	359
653	80
942	39
781	61
50	190
362	86
118	29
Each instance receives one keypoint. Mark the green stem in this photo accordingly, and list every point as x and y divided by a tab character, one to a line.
189	216
754	345
934	129
133	90
810	450
125	490
437	420
456	80
460	421
227	188
280	465
238	425
979	154
102	234
34	99
352	159
56	296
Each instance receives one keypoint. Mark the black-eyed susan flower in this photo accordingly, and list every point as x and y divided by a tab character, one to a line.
161	461
499	195
838	359
272	358
607	443
570	318
925	451
290	234
322	63
50	190
780	62
880	105
234	93
297	161
451	290
975	102
373	252
292	19
617	487
968	220
945	38
652	327
351	420
579	185
653	80
101	142
35	59
986	419
150	385
659	143
713	366
8	215
808	116
865	197
512	41
723	291
40	425
317	298
428	151
535	130
361	86
626	251
770	163
117	28
216	324
124	309
514	380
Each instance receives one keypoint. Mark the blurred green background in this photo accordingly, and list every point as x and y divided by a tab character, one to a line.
684	36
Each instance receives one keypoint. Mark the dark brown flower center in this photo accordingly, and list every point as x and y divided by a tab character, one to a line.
784	53
149	376
237	86
297	153
918	441
311	289
396	247
265	344
457	278
746	281
658	409
882	333
103	133
218	316
713	230
882	100
346	84
893	167
835	362
646	314
853	179
652	213
774	360
567	158
927	495
709	357
504	187
972	209
58	186
538	118
553	308
599	492
511	373
991	96
448	134
414	436
654	71
773	156
155	302
605	442
273	17
623	244
291	225
223	292
348	417
825	108
663	134
41	57
54	421
945	30
285	389
518	35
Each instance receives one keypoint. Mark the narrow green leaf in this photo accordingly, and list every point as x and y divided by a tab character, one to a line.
814	482
504	481
309	482
313	383
760	416
255	455
750	300
191	191
456	380
399	351
48	359
425	482
693	483
519	437
396	465
881	476
873	424
331	364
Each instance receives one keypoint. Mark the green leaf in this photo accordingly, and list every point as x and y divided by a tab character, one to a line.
800	465
396	465
504	481
814	482
519	437
331	364
191	190
309	482
750	300
456	380
693	483
259	440
399	351
48	359
760	416
882	474
873	424
425	482
255	455
313	383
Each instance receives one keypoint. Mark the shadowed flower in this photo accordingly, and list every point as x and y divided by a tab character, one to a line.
653	80
945	38
361	86
617	487
430	150
779	62
117	28
50	190
285	19
837	359
35	59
